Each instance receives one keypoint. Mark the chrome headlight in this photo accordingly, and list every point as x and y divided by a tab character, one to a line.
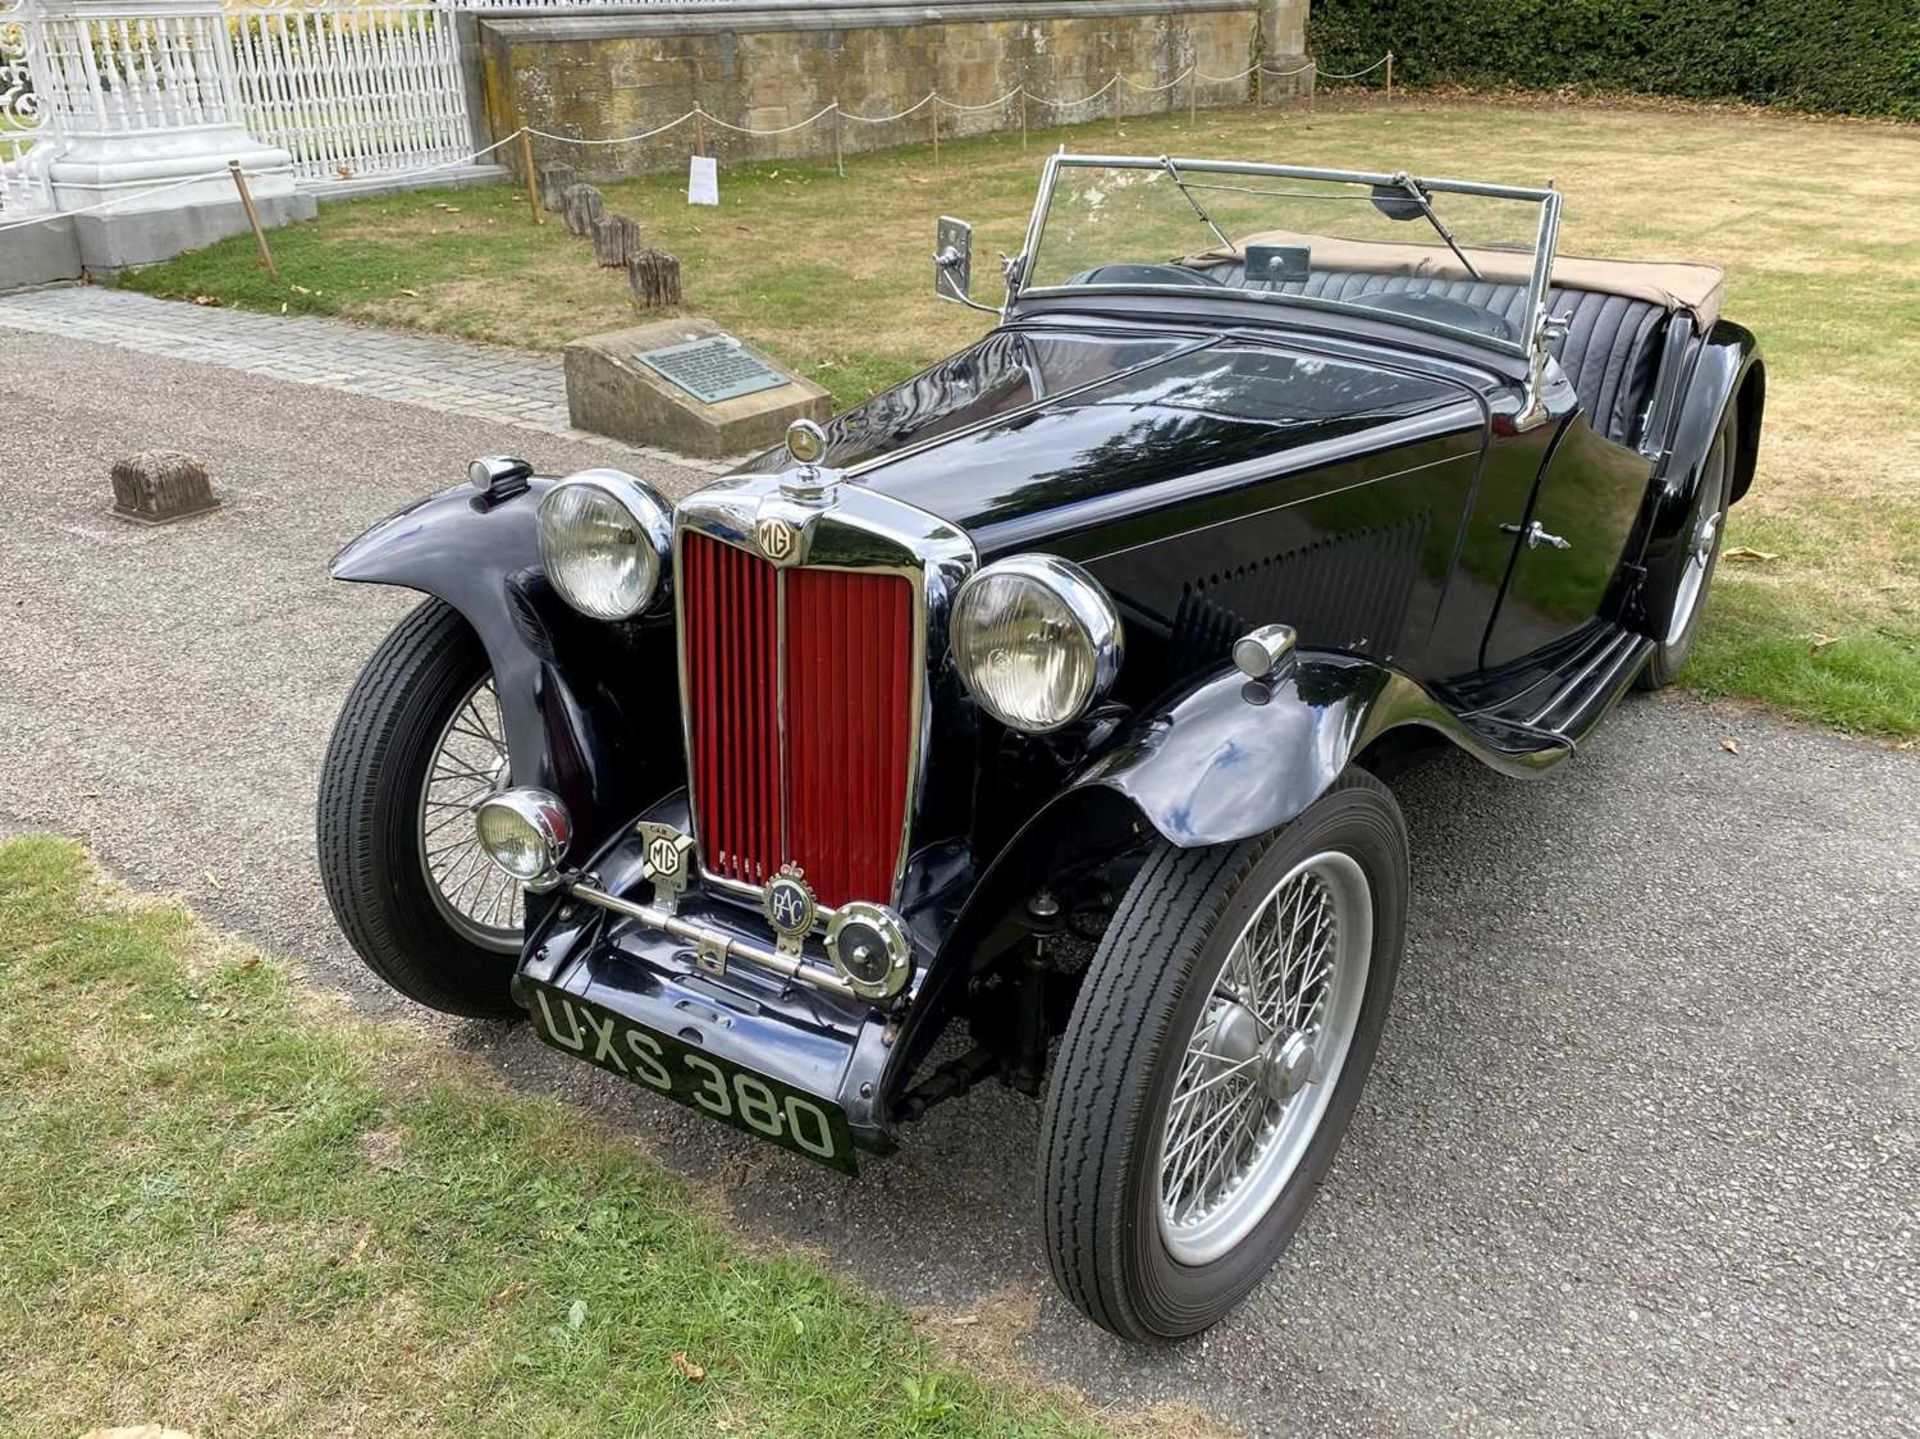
525	832
1036	640
605	539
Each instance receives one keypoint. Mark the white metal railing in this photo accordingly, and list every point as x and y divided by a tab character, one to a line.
349	90
352	90
23	161
114	72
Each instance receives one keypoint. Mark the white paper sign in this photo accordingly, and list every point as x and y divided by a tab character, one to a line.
703	180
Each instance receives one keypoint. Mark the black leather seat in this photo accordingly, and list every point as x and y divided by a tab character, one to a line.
1610	352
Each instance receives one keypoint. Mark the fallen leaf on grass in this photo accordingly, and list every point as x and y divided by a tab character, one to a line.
1731	746
300	289
410	294
205	300
689	1371
577	1314
137	1431
252	961
509	1294
1748	552
1820	642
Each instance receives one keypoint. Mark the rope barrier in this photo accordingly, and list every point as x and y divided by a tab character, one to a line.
783	130
1072	104
933	97
1349	75
990	105
1179	79
615	140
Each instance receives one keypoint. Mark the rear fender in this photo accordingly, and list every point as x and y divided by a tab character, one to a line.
570	727
1726	366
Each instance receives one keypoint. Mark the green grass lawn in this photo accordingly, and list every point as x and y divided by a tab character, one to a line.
234	1209
1816	222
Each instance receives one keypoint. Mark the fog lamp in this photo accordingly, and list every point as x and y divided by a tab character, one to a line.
525	833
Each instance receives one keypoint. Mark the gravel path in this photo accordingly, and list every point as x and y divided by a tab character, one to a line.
1640	1155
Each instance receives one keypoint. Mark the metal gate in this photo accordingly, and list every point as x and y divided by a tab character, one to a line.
348	90
23	159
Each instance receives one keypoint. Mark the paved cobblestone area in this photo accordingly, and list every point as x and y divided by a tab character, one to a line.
487	382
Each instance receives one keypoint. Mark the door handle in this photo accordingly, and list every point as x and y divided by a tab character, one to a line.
1537	536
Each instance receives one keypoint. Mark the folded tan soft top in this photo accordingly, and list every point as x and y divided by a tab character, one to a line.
1676	285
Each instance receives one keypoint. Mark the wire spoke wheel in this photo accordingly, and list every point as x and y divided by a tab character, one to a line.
1703	547
1264	1056
468	763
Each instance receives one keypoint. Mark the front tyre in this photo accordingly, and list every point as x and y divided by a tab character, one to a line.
418	743
1220	1042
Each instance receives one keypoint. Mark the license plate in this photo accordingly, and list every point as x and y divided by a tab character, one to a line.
719	1088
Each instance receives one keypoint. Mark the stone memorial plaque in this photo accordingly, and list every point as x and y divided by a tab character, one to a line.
712	370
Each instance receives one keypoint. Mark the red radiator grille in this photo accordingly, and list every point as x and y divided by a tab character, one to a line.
835	801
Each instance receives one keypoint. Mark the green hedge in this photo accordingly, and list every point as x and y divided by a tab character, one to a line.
1851	56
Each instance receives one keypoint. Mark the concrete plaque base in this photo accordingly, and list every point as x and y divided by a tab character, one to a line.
612	393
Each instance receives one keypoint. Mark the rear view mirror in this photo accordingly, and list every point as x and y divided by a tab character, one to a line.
953	259
1396	202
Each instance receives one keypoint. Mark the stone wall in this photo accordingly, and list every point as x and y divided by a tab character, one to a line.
596	74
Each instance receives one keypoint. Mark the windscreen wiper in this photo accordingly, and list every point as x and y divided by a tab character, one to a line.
1220	234
1419	197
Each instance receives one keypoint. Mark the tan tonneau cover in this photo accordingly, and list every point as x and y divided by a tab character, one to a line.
1674	284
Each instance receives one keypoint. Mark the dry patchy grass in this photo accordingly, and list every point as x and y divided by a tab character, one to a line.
230	1210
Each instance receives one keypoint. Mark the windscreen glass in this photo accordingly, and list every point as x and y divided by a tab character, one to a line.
1417	251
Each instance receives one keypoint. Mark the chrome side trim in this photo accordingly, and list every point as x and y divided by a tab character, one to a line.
707	939
849	528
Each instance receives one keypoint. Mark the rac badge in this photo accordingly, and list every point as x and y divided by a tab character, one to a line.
790	907
777	538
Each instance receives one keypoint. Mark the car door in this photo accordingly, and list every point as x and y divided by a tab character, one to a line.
1567	540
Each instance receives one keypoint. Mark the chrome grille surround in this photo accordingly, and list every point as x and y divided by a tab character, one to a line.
838	526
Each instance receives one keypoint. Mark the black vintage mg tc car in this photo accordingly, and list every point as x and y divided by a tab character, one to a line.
1029	722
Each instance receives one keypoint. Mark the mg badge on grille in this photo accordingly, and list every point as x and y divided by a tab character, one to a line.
665	858
791	907
779	541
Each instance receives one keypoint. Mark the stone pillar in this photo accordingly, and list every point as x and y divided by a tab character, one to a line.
148	115
1283	46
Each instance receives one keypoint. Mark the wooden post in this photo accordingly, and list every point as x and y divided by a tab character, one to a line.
1118	86
653	279
699	131
936	130
526	172
839	159
1259	73
1193	96
1023	117
1389	74
253	217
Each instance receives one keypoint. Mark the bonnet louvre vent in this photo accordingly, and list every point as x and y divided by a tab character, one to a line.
1349	591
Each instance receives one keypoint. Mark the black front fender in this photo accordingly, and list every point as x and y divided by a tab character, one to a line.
572	725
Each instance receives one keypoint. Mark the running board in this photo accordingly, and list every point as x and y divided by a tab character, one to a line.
1564	704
